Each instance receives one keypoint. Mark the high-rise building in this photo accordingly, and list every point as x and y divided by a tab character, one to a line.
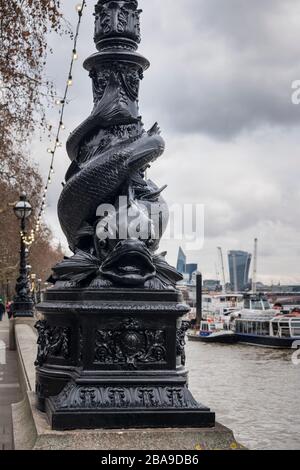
239	266
181	261
185	269
190	269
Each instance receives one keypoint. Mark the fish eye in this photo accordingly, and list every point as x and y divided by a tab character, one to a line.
102	243
150	242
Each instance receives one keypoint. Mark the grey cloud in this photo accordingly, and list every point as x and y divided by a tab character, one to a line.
222	68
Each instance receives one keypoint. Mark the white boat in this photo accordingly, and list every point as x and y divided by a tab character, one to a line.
213	332
221	304
259	325
268	329
254	304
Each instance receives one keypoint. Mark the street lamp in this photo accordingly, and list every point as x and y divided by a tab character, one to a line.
39	295
23	304
33	287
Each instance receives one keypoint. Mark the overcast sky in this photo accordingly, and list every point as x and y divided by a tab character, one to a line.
220	88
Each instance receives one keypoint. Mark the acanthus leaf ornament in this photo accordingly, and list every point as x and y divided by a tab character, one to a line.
98	397
52	341
117	18
181	338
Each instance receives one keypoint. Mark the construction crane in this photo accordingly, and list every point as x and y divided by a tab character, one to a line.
223	270
217	272
254	273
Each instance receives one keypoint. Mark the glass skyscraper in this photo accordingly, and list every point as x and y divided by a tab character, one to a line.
190	269
239	266
185	269
181	261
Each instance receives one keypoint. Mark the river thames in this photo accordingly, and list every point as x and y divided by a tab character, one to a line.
254	391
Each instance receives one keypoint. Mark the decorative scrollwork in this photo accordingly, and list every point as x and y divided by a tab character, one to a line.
126	80
180	340
122	19
117	17
130	345
52	341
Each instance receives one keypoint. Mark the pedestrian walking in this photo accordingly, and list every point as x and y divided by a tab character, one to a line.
9	309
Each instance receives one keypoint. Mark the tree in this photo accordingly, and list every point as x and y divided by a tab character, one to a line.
44	254
24	28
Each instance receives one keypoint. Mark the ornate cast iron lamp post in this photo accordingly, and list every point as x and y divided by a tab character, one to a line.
23	304
39	291
111	345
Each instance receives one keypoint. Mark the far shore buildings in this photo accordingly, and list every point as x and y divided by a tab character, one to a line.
239	267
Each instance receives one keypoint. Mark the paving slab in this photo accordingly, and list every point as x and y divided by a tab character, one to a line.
10	391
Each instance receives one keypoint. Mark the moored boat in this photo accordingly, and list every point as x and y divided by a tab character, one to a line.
268	329
257	324
213	332
221	304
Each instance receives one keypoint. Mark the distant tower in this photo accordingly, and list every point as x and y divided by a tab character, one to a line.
220	251
186	269
181	261
239	266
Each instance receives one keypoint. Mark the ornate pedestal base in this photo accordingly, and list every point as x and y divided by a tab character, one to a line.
23	309
109	360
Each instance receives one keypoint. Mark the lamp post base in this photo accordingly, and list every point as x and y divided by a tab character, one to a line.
23	309
115	359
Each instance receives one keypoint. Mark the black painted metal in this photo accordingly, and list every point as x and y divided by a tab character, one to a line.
198	299
111	344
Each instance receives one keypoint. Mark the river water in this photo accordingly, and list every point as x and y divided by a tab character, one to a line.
254	391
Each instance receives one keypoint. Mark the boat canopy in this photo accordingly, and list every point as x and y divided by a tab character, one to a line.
252	316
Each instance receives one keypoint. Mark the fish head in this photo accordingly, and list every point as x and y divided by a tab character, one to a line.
129	263
146	149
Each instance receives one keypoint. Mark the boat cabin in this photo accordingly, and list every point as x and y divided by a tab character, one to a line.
210	326
222	304
279	326
253	302
285	326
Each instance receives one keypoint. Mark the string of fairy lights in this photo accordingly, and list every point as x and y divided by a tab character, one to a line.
61	102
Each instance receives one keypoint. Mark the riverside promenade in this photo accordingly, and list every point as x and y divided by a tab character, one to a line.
10	391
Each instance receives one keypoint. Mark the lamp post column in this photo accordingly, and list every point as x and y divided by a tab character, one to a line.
23	304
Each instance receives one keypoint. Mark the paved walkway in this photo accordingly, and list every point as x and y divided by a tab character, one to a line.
10	391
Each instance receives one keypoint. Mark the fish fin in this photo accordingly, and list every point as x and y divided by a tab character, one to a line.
137	179
77	268
152	195
154	129
136	161
165	272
